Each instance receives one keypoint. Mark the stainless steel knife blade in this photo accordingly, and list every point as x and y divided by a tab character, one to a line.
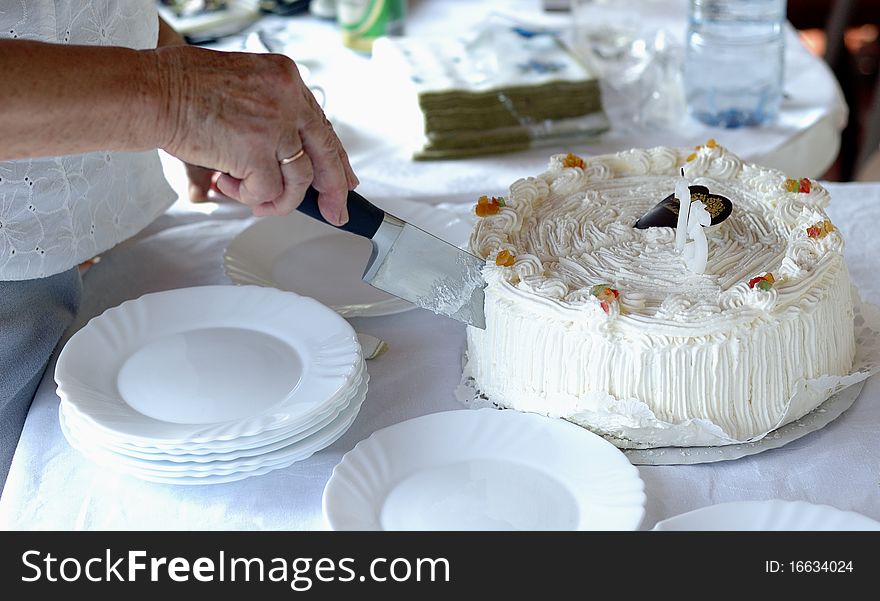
416	266
410	263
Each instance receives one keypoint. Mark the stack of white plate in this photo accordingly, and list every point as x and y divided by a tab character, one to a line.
210	384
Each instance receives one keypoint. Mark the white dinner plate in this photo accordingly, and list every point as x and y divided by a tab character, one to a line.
207	363
768	515
299	254
189	451
484	470
274	460
181	461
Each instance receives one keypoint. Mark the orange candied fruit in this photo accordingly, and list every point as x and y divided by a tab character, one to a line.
710	144
505	259
820	229
486	206
573	160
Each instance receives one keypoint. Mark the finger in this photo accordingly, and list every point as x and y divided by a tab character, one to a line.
200	182
263	182
350	176
332	185
229	186
297	178
330	177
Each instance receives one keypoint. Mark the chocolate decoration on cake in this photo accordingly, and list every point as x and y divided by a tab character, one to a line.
665	213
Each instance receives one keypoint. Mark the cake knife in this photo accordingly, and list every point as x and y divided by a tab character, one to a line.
412	264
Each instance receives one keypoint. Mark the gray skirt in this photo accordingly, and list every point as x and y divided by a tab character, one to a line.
33	317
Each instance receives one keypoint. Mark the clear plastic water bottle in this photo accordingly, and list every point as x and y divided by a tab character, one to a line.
734	61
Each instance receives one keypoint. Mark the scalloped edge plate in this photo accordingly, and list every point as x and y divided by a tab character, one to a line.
484	470
88	368
774	514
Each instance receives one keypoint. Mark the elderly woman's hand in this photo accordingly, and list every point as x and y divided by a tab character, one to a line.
242	114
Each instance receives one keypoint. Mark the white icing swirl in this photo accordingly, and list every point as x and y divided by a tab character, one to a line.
583	226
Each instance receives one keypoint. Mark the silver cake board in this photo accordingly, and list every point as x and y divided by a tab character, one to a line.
817	419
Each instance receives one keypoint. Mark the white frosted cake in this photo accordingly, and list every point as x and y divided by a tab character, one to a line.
591	319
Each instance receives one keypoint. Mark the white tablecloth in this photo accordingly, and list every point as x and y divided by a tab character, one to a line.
51	487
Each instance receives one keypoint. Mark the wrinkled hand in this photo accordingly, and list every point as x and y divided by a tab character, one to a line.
240	114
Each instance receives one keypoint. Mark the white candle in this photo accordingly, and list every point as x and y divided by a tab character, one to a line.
696	253
683	194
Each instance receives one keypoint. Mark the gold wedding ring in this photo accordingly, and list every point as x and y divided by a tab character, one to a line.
293	157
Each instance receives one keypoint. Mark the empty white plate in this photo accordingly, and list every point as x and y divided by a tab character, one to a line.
768	515
484	470
209	363
287	253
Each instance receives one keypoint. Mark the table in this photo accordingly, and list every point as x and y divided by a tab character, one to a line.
51	487
804	142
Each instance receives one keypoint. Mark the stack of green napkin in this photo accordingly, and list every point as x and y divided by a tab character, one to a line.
501	90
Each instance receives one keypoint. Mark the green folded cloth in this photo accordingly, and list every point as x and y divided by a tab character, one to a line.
505	109
500	90
462	144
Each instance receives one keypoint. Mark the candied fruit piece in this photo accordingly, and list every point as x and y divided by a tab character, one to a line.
803	185
505	259
762	282
573	160
486	207
820	229
606	295
692	156
712	143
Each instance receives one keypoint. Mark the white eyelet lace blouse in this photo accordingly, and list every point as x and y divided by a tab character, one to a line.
60	211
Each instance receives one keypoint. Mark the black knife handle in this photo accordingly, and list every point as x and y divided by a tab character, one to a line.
363	217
